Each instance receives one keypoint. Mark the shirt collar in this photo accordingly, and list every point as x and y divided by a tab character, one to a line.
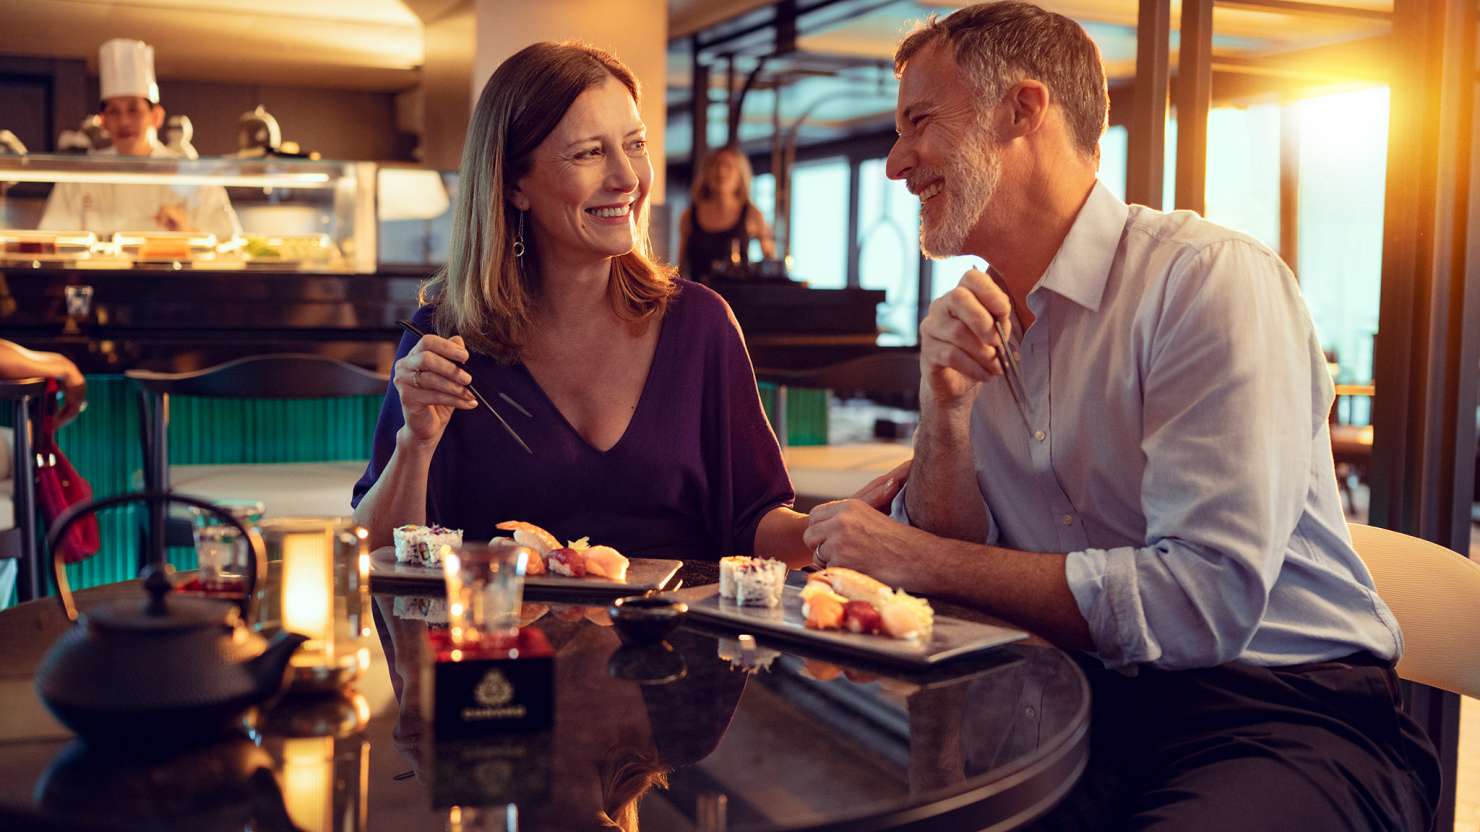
1082	265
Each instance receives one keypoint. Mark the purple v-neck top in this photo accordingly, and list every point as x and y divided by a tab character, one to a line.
691	478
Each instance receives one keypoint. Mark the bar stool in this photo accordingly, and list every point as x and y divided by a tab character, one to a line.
268	376
19	541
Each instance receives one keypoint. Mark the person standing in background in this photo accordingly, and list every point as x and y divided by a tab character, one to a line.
722	221
132	114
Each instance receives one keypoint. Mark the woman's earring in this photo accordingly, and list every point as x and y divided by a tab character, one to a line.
519	238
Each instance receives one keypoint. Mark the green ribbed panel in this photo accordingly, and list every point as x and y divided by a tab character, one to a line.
221	431
806	413
103	445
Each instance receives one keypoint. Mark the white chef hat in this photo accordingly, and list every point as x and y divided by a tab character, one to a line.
126	68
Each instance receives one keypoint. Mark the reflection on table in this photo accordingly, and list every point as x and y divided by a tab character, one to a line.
761	740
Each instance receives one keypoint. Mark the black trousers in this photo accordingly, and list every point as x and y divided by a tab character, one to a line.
1307	748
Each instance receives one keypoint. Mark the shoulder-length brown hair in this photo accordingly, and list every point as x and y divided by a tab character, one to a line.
484	293
703	190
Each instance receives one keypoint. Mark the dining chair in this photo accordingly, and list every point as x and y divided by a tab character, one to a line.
268	376
18	542
1435	594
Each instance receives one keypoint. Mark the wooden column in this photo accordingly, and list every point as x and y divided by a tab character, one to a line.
1290	186
1425	361
1148	123
1194	100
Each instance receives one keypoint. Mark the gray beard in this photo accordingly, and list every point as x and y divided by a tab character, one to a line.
969	189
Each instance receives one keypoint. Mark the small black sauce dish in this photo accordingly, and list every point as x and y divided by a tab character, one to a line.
644	619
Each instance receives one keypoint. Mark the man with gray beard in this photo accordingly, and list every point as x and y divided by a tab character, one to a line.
1170	513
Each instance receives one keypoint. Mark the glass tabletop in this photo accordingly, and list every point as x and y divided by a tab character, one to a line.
777	738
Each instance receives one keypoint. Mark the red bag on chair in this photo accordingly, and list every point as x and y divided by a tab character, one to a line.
59	486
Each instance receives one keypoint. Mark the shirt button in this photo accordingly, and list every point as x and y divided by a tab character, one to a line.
1067	519
1040	435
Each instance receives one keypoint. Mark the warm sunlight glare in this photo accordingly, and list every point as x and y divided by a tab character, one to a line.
1345	120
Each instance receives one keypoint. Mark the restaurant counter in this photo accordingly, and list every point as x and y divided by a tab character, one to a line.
111	320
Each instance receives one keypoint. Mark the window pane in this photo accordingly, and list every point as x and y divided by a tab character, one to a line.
763	194
1243	184
947	273
889	250
1343	174
819	223
1113	149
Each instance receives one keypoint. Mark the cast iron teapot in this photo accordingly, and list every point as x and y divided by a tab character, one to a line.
160	668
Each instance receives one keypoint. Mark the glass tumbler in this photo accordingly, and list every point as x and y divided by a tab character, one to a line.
485	589
220	552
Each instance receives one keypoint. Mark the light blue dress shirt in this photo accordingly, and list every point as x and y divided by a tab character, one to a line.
1179	451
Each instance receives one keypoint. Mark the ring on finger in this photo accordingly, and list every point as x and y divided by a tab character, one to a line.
416	379
817	555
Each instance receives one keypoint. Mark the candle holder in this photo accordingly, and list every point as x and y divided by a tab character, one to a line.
322	591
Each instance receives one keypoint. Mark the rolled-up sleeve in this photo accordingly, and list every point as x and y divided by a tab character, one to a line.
1232	403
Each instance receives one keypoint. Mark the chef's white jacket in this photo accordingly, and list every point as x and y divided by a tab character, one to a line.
106	207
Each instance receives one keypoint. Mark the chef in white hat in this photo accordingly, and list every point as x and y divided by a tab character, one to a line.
132	115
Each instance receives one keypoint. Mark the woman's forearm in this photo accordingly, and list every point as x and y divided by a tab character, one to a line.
399	496
779	536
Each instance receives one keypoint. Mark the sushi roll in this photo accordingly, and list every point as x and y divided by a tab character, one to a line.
727	576
423	545
752	582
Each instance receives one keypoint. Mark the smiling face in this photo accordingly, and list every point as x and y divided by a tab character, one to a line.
946	151
588	180
132	123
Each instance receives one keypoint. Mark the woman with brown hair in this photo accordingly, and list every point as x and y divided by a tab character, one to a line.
645	427
715	232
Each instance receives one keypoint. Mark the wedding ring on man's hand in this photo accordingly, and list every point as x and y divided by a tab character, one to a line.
416	379
817	556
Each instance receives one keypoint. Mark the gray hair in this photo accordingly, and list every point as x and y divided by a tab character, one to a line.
999	44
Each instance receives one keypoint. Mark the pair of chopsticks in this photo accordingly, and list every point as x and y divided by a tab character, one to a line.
1012	371
415	330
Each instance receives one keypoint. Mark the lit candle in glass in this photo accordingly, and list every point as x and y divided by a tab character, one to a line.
320	590
308	593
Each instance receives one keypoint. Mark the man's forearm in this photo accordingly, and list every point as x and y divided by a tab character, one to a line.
1028	589
943	497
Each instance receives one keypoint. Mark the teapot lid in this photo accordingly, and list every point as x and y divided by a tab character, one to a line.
163	611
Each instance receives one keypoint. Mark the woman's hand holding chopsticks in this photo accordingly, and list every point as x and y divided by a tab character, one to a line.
432	385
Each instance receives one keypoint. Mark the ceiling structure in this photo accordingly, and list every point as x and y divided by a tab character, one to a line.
339	44
839	78
834	79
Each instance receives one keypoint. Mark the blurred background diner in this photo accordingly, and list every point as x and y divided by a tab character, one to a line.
188	185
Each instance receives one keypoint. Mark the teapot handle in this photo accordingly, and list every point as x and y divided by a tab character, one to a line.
256	551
